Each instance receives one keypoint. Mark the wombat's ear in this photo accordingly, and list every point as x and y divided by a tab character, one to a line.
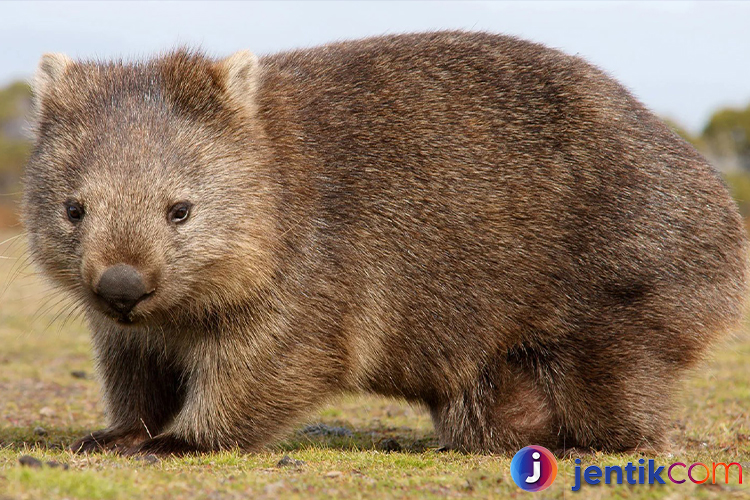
240	72
51	68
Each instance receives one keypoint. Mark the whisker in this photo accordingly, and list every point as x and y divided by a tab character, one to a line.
12	238
74	311
47	308
14	272
55	318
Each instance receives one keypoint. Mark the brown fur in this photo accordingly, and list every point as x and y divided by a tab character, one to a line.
474	222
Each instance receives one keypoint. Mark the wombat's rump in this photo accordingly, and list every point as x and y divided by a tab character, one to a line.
474	222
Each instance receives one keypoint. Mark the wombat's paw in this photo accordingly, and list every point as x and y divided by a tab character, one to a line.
106	440
164	445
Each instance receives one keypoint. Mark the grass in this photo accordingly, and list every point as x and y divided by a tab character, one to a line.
41	348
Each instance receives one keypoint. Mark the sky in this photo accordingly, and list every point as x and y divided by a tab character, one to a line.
682	59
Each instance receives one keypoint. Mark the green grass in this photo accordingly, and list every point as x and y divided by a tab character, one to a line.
40	346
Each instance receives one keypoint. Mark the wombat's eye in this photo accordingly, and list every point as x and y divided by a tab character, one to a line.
74	211
179	212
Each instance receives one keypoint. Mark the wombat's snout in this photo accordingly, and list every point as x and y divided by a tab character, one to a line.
121	287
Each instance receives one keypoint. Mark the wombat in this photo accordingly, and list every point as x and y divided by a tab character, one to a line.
468	221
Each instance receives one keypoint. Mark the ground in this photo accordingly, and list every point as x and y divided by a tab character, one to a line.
358	447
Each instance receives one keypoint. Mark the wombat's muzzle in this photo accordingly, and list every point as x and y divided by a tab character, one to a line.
121	287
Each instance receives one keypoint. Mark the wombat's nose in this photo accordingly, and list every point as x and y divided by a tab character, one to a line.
122	287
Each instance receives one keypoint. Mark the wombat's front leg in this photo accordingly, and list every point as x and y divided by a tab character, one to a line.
110	439
246	396
142	390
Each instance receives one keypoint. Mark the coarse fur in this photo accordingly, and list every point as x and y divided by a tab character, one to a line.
470	221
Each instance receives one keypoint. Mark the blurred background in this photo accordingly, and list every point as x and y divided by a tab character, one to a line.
688	61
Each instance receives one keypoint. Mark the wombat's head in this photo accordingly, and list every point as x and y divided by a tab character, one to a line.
144	195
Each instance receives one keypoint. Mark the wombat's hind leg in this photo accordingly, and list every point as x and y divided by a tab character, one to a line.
610	396
505	411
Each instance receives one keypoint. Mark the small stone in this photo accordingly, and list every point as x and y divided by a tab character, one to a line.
47	412
40	431
334	474
389	445
55	465
326	430
287	461
29	461
79	374
149	459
